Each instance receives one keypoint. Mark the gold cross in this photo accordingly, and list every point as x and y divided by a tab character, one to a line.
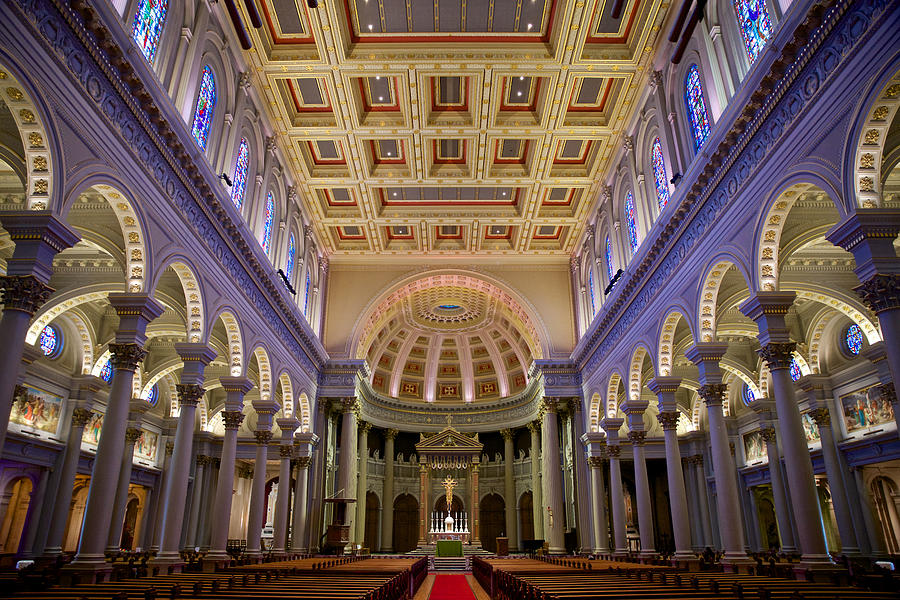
449	483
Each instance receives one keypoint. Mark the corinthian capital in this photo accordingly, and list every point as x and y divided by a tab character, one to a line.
713	393
80	417
232	418
126	356
668	420
637	437
880	292
778	355
263	437
24	292
189	394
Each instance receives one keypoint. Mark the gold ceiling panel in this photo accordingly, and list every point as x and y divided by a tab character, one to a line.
451	127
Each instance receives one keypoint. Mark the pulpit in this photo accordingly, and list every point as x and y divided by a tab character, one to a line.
338	534
502	546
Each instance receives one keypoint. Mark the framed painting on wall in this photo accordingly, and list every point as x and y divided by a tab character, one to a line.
36	409
866	408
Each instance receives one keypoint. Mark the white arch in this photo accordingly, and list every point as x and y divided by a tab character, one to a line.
287	395
612	395
304	410
265	372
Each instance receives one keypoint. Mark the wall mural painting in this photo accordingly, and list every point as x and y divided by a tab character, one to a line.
36	409
866	408
810	428
754	447
145	447
91	433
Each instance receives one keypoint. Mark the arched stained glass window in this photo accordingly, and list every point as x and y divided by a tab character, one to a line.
756	28
796	373
591	291
289	265
306	297
268	222
239	181
153	396
206	104
631	222
749	396
854	339
659	174
148	25
696	106
106	372
50	341
609	259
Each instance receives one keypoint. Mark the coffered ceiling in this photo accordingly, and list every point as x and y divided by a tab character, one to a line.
451	126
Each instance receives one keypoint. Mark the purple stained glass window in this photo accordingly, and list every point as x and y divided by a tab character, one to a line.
148	25
749	396
696	106
153	396
289	266
206	104
306	297
49	340
631	222
755	26
239	181
609	259
106	373
269	221
591	289
854	339
796	374
659	173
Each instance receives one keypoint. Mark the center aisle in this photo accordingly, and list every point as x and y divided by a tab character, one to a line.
451	587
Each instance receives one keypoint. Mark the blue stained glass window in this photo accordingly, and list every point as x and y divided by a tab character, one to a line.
696	106
659	173
609	259
206	104
148	25
106	373
239	181
443	306
796	374
755	26
854	339
749	396
289	266
631	222
153	396
306	297
50	341
591	288
268	222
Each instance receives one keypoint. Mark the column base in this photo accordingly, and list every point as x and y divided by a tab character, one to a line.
687	562
168	562
217	556
738	563
820	573
647	555
557	550
85	570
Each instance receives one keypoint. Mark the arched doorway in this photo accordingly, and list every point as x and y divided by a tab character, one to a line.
456	506
130	524
768	524
526	515
373	510
492	519
883	493
406	523
17	498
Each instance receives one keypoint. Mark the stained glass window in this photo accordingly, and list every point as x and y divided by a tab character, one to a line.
148	25
289	266
753	20
206	104
749	396
795	370
854	339
239	181
591	290
50	341
269	221
306	296
106	373
696	106
631	222
153	396
659	173
609	259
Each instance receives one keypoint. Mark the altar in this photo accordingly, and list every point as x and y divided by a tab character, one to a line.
448	548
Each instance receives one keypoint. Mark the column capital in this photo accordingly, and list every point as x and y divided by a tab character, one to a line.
390	434
595	462
80	417
232	419
507	434
195	358
777	355
637	438
350	404
534	426
768	434
189	394
285	452
822	417
363	427
768	309
889	393
170	448
263	437
135	312
238	385
288	426
203	460
24	293
611	426
668	420
880	292
126	357
38	236
614	450
302	462
706	355
869	235
664	385
132	434
713	394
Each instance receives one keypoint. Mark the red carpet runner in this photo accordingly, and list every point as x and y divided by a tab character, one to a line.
451	587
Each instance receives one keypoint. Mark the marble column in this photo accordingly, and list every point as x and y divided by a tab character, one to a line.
298	522
476	540
232	417
195	358
509	488
707	356
616	489
256	517
634	410
552	476
38	236
703	504
665	388
87	388
198	489
599	516
160	491
320	466
283	500
537	498
582	479
121	502
135	312
423	503
362	481
387	502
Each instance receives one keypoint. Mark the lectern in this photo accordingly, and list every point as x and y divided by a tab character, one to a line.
338	534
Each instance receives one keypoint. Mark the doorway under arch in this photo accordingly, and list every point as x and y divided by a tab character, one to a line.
492	520
18	492
373	511
406	523
526	515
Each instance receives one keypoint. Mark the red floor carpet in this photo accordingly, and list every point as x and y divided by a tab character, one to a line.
451	587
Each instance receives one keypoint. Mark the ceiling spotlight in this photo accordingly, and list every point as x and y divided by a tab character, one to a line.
504	193
381	98
530	26
395	194
521	78
377	77
370	27
518	93
389	154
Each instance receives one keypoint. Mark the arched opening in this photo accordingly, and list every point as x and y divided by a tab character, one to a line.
373	511
492	520
129	527
440	505
406	523
76	513
768	523
526	516
17	498
884	496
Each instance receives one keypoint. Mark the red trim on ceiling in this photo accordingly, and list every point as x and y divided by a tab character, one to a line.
329	198
308	39
521	107
460	231
325	161
555	236
401	158
512	202
395	107
586	150
448	161
361	236
488	236
510	161
600	107
302	108
592	38
464	107
392	236
567	202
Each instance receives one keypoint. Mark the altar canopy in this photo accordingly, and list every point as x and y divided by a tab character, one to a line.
449	455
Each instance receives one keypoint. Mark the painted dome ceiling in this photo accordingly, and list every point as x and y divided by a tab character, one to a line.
449	339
